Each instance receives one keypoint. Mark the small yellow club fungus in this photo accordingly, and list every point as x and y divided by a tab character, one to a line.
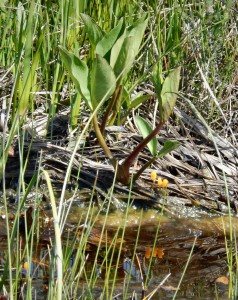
153	176
162	182
159	181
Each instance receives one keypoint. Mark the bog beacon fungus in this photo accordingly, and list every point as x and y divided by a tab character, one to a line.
162	183
153	176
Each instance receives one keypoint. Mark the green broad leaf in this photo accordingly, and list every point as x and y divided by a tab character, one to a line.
157	78
103	80
168	147
27	68
126	99
78	72
138	30
145	129
125	58
116	49
168	96
109	39
95	33
138	100
126	48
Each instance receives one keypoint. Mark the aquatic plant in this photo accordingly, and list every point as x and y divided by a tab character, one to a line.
101	82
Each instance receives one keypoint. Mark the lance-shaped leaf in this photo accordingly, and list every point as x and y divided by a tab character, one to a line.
126	48
125	58
138	30
168	147
138	100
168	96
145	129
94	32
157	78
78	72
116	49
109	39
103	80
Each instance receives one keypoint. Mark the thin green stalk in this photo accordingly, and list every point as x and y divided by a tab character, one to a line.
103	230
154	245
8	264
229	251
11	237
125	291
58	245
27	67
185	268
109	268
122	237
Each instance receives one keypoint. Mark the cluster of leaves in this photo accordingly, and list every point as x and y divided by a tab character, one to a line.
114	54
102	79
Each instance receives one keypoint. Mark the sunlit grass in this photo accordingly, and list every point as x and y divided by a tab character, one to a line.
199	36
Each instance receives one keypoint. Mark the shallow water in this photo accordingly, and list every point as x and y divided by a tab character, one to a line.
173	240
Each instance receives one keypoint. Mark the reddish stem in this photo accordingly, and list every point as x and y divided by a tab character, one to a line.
130	159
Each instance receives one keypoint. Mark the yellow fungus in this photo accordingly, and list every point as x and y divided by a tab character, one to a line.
153	175
159	181
164	183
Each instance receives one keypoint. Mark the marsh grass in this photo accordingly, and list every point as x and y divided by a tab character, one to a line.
201	37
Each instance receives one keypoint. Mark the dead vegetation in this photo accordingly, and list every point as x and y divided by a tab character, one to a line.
200	171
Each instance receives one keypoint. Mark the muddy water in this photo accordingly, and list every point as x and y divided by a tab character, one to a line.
162	245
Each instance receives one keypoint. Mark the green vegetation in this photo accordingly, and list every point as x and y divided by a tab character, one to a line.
104	62
114	55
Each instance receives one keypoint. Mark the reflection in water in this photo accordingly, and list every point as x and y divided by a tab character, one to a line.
139	250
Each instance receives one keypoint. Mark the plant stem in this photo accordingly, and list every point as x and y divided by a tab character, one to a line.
130	159
116	106
101	138
114	100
